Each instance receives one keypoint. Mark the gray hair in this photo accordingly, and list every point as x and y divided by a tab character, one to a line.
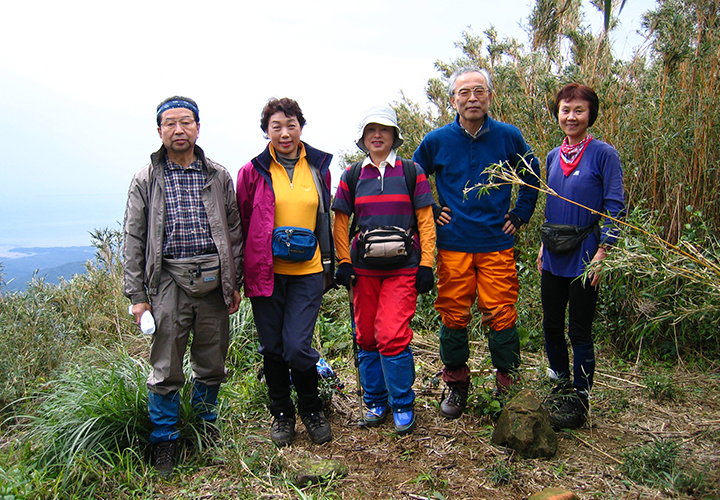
469	69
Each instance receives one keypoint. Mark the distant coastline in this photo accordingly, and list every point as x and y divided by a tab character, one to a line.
21	264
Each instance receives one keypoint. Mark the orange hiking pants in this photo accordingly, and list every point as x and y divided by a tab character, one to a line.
491	278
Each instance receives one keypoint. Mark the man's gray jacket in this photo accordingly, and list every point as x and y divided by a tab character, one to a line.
145	227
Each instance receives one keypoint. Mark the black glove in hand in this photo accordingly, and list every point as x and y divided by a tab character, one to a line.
346	274
516	221
437	210
425	279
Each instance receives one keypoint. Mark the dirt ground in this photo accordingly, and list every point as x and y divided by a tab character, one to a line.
453	459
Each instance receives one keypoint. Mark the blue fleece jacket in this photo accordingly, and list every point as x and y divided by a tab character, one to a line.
458	161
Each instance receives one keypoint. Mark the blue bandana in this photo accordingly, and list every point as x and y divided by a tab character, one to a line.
177	104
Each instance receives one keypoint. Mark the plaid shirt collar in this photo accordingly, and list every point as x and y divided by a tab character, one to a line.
171	165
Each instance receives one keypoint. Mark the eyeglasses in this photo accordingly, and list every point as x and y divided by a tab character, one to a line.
477	92
185	123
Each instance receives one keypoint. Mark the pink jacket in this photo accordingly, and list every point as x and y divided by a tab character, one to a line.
256	202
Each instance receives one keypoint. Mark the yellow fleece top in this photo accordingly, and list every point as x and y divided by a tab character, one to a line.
296	204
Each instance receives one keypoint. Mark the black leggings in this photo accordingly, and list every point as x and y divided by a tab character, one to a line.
559	293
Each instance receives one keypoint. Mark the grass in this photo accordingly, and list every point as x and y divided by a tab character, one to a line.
501	472
660	464
79	426
95	413
661	387
429	479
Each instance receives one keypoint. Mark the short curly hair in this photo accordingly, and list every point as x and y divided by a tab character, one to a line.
288	106
578	91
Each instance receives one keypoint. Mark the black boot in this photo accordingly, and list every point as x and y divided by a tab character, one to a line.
282	431
568	410
310	405
277	378
164	456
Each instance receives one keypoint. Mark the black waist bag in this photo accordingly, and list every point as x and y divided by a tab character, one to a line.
564	238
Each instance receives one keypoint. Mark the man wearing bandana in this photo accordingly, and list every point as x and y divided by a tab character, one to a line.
182	214
475	259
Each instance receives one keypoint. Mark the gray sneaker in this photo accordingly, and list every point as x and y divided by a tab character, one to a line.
454	405
318	427
282	431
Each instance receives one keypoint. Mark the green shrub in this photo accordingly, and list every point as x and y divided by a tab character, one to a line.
96	407
661	387
44	326
659	297
659	464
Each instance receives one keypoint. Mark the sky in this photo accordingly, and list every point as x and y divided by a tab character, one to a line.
80	82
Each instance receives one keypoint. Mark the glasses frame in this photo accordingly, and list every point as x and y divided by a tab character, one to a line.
185	123
478	91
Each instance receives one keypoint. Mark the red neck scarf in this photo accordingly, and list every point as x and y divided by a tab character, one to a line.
570	154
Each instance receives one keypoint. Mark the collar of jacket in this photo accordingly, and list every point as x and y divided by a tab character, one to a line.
315	157
157	158
487	124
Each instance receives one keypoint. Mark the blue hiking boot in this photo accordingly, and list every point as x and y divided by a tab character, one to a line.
376	416
404	421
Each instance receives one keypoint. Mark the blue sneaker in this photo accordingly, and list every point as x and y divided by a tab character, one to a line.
404	421
376	416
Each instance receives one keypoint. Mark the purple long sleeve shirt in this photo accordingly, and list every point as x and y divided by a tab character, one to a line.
597	183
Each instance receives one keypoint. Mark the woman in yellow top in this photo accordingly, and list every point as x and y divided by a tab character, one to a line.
287	186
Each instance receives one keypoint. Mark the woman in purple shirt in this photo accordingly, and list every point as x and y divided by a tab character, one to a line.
588	172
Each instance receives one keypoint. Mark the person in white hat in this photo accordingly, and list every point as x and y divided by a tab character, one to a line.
386	263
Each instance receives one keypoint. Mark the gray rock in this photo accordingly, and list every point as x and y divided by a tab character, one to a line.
523	426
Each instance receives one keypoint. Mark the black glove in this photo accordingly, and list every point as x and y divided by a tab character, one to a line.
437	210
345	274
424	280
516	221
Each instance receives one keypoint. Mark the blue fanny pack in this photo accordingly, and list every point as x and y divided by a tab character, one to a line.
295	244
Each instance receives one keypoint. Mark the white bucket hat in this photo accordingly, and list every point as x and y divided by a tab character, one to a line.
382	115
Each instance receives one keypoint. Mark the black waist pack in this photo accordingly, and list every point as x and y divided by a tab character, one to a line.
386	246
564	238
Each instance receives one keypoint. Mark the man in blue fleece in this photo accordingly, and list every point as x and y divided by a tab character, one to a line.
475	239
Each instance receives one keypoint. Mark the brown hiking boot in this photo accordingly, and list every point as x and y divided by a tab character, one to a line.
164	457
454	405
